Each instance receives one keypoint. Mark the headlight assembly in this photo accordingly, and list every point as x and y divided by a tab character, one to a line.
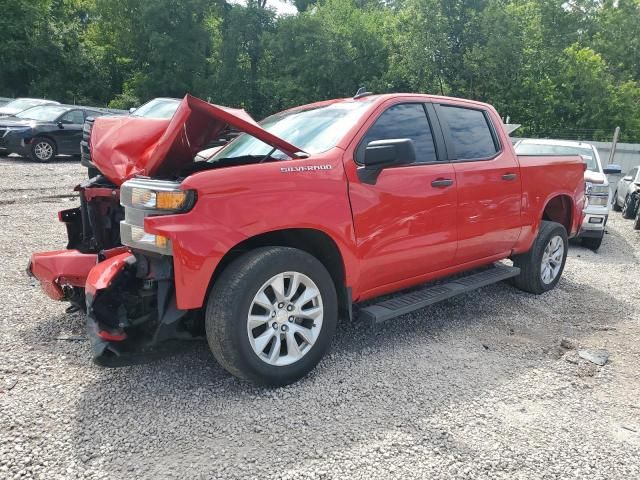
142	198
162	196
597	189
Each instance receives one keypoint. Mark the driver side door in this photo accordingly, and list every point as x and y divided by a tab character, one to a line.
405	221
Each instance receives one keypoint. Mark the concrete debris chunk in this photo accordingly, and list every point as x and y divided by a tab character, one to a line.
599	357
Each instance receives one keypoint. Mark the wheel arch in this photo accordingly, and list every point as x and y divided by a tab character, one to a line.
560	209
56	148
315	242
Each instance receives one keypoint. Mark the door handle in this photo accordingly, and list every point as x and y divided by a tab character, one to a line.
442	183
509	176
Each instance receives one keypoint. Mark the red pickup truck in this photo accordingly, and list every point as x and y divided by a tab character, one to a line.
265	245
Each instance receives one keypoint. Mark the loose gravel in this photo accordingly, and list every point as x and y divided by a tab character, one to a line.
485	386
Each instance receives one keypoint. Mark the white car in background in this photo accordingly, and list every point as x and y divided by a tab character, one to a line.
597	189
22	104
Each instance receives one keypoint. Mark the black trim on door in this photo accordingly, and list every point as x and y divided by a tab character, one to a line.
436	131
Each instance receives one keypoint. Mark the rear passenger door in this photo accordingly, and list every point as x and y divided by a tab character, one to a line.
405	222
488	180
69	132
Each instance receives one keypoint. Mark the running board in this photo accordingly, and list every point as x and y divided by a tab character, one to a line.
429	295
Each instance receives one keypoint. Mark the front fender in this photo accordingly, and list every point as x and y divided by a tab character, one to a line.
238	203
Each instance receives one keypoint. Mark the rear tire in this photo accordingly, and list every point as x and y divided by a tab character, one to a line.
636	223
615	206
592	243
549	251
259	350
42	149
629	207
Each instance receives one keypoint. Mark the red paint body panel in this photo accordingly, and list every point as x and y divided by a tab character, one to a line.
240	202
61	267
404	227
123	147
544	178
489	207
102	274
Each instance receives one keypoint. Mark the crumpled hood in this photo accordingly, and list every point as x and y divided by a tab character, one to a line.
124	147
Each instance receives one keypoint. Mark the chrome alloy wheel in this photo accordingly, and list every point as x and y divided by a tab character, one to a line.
552	259
285	318
43	150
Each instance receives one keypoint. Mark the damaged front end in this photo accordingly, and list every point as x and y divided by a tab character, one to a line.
114	268
93	228
131	308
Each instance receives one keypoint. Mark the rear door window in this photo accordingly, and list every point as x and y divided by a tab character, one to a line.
73	117
470	133
406	120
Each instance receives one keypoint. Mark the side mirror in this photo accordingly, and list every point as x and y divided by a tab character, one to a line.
132	109
381	154
60	124
612	169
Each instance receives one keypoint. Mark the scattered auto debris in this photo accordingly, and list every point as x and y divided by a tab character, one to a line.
71	338
599	357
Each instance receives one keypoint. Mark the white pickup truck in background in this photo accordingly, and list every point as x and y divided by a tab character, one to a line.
597	188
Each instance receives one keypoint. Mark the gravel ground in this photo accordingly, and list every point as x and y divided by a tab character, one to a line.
477	387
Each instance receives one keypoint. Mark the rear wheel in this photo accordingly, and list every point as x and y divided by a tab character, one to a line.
271	315
541	267
592	243
42	149
629	207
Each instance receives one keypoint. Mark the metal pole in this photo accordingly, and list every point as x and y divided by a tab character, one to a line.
616	134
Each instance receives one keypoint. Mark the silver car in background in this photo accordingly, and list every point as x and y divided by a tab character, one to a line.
596	213
625	198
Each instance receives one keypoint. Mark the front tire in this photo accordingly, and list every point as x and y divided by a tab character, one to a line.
42	149
271	315
542	266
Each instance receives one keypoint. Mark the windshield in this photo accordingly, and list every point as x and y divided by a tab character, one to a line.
314	130
586	153
44	113
158	108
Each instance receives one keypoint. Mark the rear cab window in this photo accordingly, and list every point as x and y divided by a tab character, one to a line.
471	135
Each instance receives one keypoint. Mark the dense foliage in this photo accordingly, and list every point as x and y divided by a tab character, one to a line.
560	68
